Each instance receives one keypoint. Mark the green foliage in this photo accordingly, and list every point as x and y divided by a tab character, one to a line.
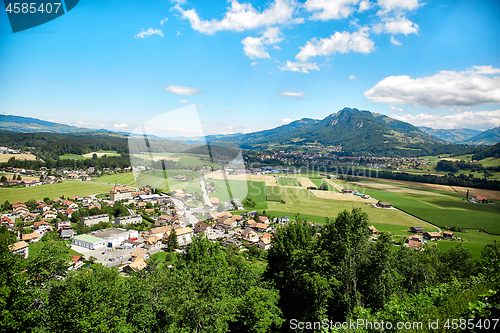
172	242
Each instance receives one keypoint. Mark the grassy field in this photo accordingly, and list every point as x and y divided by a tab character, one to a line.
185	159
474	240
241	189
444	210
67	188
5	157
89	155
315	209
288	181
318	182
273	193
37	246
72	156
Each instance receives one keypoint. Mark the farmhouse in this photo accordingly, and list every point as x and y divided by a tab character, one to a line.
202	227
382	204
180	177
250	235
91	220
30	237
448	235
432	235
265	241
89	242
417	230
75	263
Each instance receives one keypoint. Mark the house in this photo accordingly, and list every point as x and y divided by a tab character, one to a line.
264	219
215	201
265	241
42	226
130	219
44	207
373	229
89	242
237	218
30	237
166	219
160	231
414	244
69	204
231	241
149	211
139	254
202	227
21	248
448	235
149	197
229	223
49	215
137	265
66	233
18	204
184	236
152	242
180	177
429	235
129	244
29	217
382	204
75	262
260	227
250	235
21	210
63	224
284	219
95	219
120	193
141	204
252	213
416	238
417	230
481	199
5	221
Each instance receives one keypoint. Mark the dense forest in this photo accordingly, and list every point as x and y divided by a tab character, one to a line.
318	276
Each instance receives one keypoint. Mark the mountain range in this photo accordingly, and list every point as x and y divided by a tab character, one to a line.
352	129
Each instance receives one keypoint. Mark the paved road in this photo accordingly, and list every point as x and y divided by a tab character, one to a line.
204	190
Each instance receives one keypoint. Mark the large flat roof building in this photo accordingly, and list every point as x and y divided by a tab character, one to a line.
89	242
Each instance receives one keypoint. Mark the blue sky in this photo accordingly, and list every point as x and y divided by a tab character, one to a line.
257	64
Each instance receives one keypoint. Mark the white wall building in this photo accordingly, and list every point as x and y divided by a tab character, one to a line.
116	236
131	219
91	220
89	242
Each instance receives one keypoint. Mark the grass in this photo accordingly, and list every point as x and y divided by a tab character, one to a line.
37	246
315	209
72	156
318	182
490	161
242	190
444	210
273	193
67	188
288	181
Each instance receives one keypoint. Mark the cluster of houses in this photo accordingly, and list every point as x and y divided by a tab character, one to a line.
416	241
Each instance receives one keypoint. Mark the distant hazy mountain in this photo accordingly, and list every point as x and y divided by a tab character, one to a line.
354	130
33	125
489	137
451	135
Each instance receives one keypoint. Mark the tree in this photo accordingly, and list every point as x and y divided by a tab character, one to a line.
3	179
19	177
172	242
6	205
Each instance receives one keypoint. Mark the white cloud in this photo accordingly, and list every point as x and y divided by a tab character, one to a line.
364	5
120	126
400	25
393	108
297	95
352	77
328	9
444	89
397	5
241	16
286	120
200	106
342	42
179	2
180	90
481	120
184	101
253	63
303	67
254	47
163	20
149	32
395	41
229	111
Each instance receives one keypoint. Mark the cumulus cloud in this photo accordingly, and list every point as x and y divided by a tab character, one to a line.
120	126
480	120
241	16
255	47
163	20
400	25
327	9
397	5
149	32
342	42
303	67
297	95
286	120
395	41
352	77
184	101
444	89
180	90
393	108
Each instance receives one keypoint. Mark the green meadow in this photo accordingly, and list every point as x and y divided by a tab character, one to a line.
288	181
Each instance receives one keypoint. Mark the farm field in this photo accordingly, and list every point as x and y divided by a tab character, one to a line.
72	156
5	157
185	159
288	181
393	188
335	184
273	193
241	189
101	153
67	188
307	182
444	210
318	182
269	180
301	201
330	195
